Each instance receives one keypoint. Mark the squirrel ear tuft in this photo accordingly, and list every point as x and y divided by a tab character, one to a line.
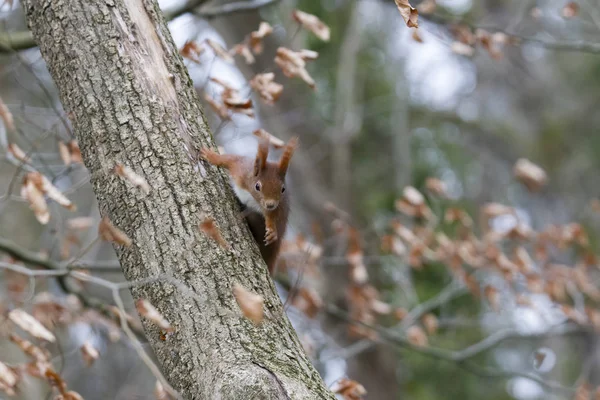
286	157
261	156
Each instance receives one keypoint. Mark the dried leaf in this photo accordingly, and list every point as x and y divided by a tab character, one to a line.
75	152
192	51
293	64
8	379
487	42
30	325
133	178
531	175
583	391
219	51
65	153
267	88
417	336
570	10
89	353
250	303
111	233
33	351
243	50
18	153
313	24
349	389
148	311
436	186
210	229
80	223
409	13
33	193
492	295
413	196
355	257
431	324
6	116
462	49
217	107
256	37
308	301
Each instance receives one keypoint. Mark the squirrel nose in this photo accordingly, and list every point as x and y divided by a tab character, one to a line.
270	204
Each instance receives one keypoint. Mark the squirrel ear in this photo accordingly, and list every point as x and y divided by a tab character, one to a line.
286	157
261	156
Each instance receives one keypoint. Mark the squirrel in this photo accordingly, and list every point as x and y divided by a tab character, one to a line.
260	189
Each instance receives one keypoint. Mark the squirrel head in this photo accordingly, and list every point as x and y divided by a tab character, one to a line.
268	178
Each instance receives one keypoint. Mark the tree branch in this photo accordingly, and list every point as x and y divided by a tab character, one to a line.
462	357
233	8
23	40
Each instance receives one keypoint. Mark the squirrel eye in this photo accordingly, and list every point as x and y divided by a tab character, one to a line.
257	186
282	189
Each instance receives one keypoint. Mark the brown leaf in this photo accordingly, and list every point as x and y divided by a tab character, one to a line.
33	193
89	353
192	51
462	49
487	42
217	107
308	301
313	24
33	351
531	175
75	152
293	64
430	322
570	10
354	256
583	391
148	311
111	233
413	196
436	186
243	50
349	389
417	336
30	325
6	116
210	229
267	88
129	175
80	223
492	295
18	153
8	379
219	51
256	37
65	153
250	303
409	13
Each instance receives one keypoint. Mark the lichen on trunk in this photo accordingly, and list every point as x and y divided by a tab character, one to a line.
131	101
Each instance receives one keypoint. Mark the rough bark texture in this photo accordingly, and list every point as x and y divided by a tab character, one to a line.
131	101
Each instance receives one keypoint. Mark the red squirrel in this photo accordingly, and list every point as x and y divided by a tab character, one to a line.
260	189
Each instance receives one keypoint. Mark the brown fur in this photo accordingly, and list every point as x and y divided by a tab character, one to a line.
264	180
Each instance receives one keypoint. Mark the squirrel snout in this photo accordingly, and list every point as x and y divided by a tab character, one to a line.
270	204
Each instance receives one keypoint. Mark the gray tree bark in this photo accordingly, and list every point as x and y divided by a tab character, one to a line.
131	101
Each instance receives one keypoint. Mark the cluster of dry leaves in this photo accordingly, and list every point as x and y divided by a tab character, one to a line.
466	38
292	64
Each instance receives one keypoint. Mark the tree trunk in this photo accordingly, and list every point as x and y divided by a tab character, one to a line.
131	101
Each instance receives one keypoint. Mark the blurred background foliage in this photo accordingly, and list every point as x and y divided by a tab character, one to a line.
389	112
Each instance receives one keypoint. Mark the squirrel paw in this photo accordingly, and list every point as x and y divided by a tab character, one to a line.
206	153
270	236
